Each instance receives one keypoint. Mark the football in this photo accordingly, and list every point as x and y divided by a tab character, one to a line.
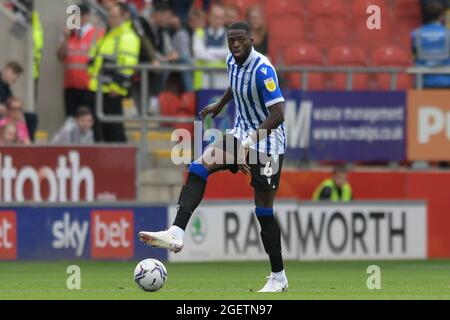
150	275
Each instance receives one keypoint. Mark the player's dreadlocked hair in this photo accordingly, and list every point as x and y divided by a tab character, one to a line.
242	25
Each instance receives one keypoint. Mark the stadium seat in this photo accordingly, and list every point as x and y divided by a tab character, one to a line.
283	32
359	9
369	39
169	103
305	55
243	5
278	8
348	56
408	13
188	103
391	56
322	36
328	8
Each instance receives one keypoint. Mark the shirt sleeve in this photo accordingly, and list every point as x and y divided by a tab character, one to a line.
268	86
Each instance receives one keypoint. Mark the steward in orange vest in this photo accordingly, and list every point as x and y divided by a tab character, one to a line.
74	53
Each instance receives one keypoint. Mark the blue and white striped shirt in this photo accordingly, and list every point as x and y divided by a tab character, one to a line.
255	89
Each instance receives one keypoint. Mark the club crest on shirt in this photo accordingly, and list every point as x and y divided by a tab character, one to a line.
270	84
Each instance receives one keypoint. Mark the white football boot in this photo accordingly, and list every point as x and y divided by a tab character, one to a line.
162	239
275	285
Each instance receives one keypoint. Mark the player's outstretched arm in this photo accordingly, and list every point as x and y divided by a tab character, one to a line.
215	108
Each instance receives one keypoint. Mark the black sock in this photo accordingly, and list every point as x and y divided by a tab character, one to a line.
190	197
271	238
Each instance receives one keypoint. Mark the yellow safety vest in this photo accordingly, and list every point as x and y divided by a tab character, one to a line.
346	191
38	39
121	47
198	75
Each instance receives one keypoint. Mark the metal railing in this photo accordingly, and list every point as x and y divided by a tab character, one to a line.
419	72
144	119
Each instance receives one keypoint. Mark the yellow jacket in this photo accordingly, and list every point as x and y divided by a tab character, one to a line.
38	39
346	195
120	47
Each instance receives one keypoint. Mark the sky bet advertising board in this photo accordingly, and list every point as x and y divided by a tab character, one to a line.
99	233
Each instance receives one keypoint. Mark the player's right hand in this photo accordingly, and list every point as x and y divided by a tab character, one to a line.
213	109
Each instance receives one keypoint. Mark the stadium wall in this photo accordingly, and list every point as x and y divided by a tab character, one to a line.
223	230
430	186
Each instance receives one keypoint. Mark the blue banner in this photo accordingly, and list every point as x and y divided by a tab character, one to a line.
72	232
335	126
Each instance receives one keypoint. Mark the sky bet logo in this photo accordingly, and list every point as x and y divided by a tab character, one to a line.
8	238
111	234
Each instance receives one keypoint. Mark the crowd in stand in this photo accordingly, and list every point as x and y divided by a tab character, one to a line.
155	32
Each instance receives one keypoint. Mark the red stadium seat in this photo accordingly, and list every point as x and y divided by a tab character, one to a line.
276	8
305	55
348	56
169	103
283	32
243	5
408	13
359	9
391	56
369	39
324	38
328	8
188	103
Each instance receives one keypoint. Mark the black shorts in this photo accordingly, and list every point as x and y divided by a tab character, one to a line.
265	169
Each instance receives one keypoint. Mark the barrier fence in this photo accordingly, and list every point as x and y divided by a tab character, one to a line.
219	231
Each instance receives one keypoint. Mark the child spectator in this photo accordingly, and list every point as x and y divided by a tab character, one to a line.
8	77
8	135
15	116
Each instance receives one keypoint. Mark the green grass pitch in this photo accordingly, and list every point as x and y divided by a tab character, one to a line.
228	280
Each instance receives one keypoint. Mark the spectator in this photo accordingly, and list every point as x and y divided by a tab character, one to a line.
431	46
8	77
336	188
255	17
196	20
424	6
74	52
8	135
160	39
77	130
120	47
182	47
210	50
33	18
15	117
232	14
109	4
179	7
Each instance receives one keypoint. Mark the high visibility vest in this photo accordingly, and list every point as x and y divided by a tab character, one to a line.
346	195
38	39
120	47
77	58
198	75
432	44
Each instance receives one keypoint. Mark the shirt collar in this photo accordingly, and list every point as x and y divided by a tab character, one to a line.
86	28
250	58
